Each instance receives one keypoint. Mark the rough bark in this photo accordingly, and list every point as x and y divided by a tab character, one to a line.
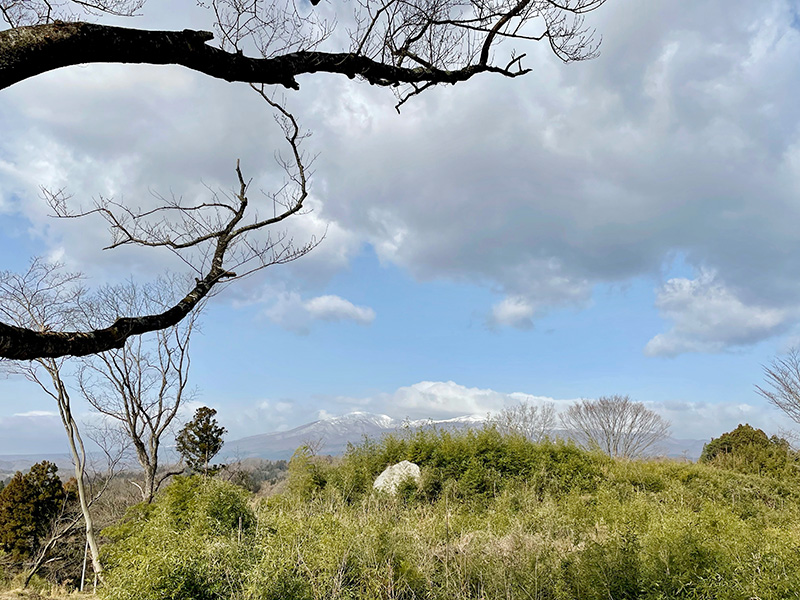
19	343
29	51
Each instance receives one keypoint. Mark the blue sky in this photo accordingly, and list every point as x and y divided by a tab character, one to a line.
627	225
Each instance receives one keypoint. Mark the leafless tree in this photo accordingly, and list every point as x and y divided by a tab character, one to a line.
218	240
142	385
45	297
534	421
782	380
408	46
615	425
65	524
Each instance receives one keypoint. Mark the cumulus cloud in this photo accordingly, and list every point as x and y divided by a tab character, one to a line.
448	399
439	400
291	312
680	137
136	134
707	316
334	308
674	140
704	420
514	311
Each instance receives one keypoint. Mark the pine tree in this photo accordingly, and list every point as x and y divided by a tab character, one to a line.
28	505
200	440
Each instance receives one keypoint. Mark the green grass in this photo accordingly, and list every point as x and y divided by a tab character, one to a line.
494	518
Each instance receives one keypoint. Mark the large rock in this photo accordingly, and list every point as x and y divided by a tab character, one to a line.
393	475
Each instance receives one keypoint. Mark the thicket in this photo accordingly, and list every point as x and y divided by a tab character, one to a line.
470	465
750	450
494	517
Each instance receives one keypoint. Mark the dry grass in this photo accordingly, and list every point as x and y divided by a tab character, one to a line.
54	593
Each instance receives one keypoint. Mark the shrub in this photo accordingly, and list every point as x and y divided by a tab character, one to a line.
749	450
472	464
190	543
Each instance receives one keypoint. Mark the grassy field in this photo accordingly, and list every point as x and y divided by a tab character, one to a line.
493	517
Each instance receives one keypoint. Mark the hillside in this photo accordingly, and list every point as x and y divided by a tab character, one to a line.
492	517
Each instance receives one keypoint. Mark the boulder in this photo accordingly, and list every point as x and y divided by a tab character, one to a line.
393	475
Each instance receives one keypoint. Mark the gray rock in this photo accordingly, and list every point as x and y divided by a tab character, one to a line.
393	475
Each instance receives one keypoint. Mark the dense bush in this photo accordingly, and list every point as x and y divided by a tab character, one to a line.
182	546
749	450
471	464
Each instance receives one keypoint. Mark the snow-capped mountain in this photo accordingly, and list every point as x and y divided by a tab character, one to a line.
331	435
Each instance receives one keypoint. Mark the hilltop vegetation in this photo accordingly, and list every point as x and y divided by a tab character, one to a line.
750	450
494	516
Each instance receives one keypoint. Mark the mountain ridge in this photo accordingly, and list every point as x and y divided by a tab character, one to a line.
332	434
329	435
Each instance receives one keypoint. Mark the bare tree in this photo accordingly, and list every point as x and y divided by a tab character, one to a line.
407	46
534	421
70	516
45	297
142	385
217	240
615	425
782	378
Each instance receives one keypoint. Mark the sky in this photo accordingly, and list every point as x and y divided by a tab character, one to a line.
623	225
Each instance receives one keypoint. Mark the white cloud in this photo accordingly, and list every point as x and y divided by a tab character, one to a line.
334	308
438	400
448	399
37	413
291	312
680	137
703	420
514	311
707	316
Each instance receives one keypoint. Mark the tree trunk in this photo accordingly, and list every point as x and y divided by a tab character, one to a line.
149	466
78	451
79	460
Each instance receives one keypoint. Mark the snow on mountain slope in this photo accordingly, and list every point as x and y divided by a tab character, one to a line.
331	435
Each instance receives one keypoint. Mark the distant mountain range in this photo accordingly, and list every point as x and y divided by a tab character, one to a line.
11	463
328	436
331	436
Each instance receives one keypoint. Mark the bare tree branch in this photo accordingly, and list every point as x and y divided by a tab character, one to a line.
441	37
220	242
407	45
782	378
615	425
143	385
